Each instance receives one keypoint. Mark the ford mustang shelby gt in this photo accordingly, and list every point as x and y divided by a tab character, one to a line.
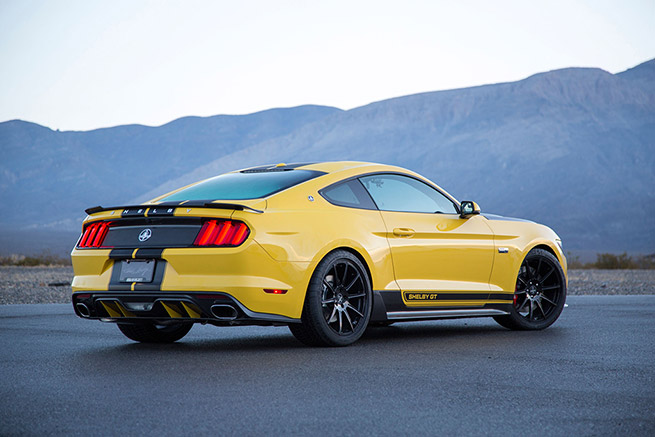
326	249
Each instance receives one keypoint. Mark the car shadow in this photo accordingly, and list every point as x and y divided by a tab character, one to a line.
422	334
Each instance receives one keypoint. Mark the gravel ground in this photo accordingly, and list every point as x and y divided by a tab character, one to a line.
35	284
52	284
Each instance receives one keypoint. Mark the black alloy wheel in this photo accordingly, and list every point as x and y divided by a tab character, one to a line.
338	302
540	293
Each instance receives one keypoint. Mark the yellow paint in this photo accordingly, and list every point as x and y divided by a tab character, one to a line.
192	310
134	253
173	311
132	286
113	312
445	252
442	253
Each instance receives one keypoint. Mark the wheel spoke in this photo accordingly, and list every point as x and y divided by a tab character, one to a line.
345	274
345	297
332	317
550	287
349	286
356	296
336	275
328	285
548	300
539	289
340	322
552	269
529	270
523	304
348	306
352	328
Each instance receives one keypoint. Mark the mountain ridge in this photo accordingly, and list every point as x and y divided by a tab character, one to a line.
537	148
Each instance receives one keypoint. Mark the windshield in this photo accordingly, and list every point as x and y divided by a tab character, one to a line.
243	185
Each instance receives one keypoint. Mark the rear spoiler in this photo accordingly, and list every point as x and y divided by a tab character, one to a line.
168	208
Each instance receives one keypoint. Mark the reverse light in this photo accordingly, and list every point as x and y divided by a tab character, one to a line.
222	233
94	234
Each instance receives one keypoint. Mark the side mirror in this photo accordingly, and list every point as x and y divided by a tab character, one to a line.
468	208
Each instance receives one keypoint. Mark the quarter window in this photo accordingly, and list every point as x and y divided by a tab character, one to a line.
350	193
393	192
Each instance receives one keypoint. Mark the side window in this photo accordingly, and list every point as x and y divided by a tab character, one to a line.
350	194
393	192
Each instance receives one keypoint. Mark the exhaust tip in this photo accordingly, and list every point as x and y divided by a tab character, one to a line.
83	310
224	312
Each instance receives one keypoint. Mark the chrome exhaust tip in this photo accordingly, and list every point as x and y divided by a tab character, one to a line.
224	312
83	309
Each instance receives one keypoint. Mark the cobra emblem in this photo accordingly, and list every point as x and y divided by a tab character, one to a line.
145	234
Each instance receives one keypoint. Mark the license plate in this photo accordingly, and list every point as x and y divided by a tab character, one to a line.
137	270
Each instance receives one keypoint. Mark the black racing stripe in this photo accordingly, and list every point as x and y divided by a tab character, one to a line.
174	203
274	167
143	253
502	296
121	253
462	296
161	211
120	287
435	296
148	253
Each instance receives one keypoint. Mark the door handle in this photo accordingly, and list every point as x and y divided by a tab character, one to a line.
403	232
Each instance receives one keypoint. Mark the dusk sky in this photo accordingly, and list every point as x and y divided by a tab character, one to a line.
79	65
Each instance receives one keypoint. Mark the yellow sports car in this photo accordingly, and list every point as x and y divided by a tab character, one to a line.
324	248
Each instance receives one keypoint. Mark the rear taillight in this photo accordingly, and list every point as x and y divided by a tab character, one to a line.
94	234
222	233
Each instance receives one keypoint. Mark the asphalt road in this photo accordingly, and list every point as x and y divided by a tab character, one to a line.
592	373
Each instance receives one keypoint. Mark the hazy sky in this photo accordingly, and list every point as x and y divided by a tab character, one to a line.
78	65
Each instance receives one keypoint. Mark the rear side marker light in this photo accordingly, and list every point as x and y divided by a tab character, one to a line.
94	234
274	291
222	233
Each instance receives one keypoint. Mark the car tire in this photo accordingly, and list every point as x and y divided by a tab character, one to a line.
338	302
540	293
150	333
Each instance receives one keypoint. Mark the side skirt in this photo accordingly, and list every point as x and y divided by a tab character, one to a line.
443	314
389	306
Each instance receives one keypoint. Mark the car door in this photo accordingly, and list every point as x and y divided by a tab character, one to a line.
439	258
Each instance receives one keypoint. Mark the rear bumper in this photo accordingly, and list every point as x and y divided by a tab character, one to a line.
242	273
170	307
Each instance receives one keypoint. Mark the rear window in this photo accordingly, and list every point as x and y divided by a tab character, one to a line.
243	185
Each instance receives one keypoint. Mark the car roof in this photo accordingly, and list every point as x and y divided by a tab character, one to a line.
326	167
